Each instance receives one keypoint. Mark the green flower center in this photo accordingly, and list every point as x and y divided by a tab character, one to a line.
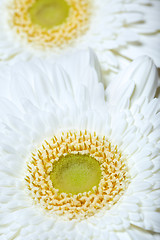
76	173
49	13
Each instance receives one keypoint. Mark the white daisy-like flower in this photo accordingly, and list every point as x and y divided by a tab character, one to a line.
118	30
78	162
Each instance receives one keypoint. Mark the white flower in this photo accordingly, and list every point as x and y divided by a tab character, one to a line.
45	99
119	31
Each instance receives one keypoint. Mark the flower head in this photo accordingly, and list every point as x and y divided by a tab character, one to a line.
58	128
119	31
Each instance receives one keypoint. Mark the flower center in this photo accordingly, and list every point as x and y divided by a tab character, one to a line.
76	173
49	13
49	24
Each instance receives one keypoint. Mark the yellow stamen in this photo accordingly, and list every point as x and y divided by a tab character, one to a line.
113	183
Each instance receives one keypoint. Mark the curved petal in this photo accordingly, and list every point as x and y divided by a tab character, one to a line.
137	83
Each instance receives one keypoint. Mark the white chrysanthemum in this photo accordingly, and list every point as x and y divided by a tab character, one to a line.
44	100
115	29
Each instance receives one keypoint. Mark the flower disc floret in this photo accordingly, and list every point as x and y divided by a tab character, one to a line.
112	185
26	19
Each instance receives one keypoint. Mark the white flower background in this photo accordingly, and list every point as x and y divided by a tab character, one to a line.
40	99
120	31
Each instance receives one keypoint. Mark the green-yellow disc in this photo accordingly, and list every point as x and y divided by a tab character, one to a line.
75	173
49	13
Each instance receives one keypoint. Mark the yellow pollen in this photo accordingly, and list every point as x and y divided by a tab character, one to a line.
45	187
49	24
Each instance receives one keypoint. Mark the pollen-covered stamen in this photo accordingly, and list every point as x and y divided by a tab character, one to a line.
50	23
53	196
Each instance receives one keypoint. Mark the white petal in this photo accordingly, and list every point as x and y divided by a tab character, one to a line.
138	82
